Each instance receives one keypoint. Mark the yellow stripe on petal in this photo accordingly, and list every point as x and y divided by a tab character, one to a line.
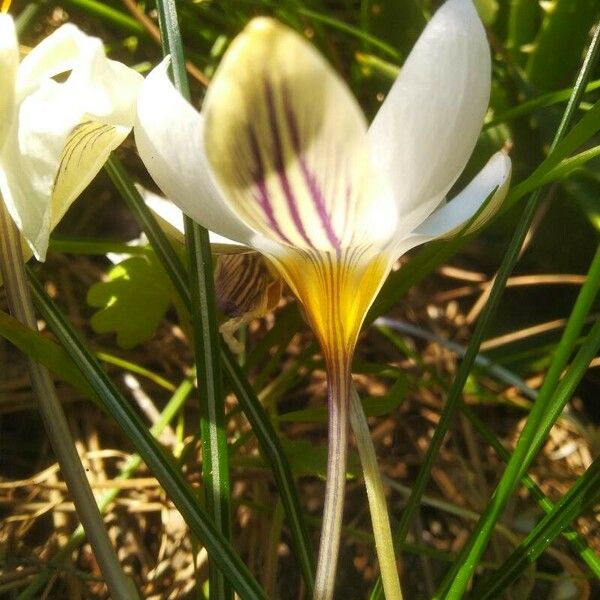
336	289
287	143
86	150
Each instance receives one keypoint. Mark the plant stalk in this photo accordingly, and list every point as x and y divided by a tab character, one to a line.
338	396
213	431
206	339
55	423
380	519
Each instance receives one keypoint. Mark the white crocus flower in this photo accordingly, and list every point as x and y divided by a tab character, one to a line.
281	159
56	135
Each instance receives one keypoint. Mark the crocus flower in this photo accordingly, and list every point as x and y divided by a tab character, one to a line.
56	135
281	159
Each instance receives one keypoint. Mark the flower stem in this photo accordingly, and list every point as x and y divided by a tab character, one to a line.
377	503
338	374
21	306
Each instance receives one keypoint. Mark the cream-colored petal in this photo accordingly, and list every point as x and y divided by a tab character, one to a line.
169	137
55	54
451	218
426	129
62	135
170	218
9	61
286	143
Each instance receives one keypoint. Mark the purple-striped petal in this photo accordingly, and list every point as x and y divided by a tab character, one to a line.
286	142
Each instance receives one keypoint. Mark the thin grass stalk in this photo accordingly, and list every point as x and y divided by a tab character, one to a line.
213	434
579	498
160	244
577	542
380	519
551	399
267	437
510	259
109	14
57	428
135	429
132	464
270	446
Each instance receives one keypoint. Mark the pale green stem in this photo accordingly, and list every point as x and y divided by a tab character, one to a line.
338	374
21	307
380	519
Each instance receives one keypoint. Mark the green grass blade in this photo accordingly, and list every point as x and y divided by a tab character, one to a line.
581	496
109	14
269	442
273	452
18	296
159	242
495	370
523	23
547	408
458	577
534	104
163	467
557	158
44	351
131	465
561	41
213	434
375	42
466	567
578	543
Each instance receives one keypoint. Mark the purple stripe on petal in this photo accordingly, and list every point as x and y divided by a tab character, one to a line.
309	177
263	192
280	166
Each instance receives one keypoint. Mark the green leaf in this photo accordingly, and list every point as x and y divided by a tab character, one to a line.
562	170
133	300
561	42
523	24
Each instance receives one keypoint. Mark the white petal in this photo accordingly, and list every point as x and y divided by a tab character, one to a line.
427	127
286	143
170	219
9	61
63	133
54	55
169	137
450	218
